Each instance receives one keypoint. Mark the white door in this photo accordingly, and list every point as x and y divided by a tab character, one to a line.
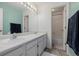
1	20
57	29
26	23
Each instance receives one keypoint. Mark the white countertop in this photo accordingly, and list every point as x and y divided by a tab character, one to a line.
14	43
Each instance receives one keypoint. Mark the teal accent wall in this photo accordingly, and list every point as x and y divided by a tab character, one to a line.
73	7
11	14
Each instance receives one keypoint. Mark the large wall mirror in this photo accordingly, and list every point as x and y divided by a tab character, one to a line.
10	12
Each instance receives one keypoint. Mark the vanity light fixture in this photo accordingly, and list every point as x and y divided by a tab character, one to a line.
53	9
21	3
29	6
25	5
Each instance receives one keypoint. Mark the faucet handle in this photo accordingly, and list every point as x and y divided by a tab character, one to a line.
13	36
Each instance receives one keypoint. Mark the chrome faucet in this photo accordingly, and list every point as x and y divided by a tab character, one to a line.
13	36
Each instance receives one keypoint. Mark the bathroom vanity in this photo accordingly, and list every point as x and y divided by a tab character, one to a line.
27	45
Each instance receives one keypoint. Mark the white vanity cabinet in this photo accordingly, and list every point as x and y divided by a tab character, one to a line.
34	47
20	51
31	48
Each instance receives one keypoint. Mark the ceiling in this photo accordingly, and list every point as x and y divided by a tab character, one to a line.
16	4
37	4
40	4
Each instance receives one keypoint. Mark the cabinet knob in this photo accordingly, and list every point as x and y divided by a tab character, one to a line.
37	45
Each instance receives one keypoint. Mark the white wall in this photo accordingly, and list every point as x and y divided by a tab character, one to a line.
33	20
44	17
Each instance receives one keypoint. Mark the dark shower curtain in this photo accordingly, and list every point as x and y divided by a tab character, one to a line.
73	33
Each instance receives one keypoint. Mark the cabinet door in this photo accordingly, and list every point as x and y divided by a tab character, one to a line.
45	41
17	52
32	51
40	47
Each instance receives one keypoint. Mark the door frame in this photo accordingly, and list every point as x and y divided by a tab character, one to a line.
23	22
2	21
65	24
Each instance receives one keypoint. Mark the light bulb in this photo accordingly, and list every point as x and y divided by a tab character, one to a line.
25	5
21	3
53	9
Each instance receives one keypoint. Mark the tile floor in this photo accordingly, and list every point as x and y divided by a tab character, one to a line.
47	54
54	52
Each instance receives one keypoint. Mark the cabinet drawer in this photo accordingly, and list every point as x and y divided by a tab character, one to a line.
40	39
31	44
17	52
